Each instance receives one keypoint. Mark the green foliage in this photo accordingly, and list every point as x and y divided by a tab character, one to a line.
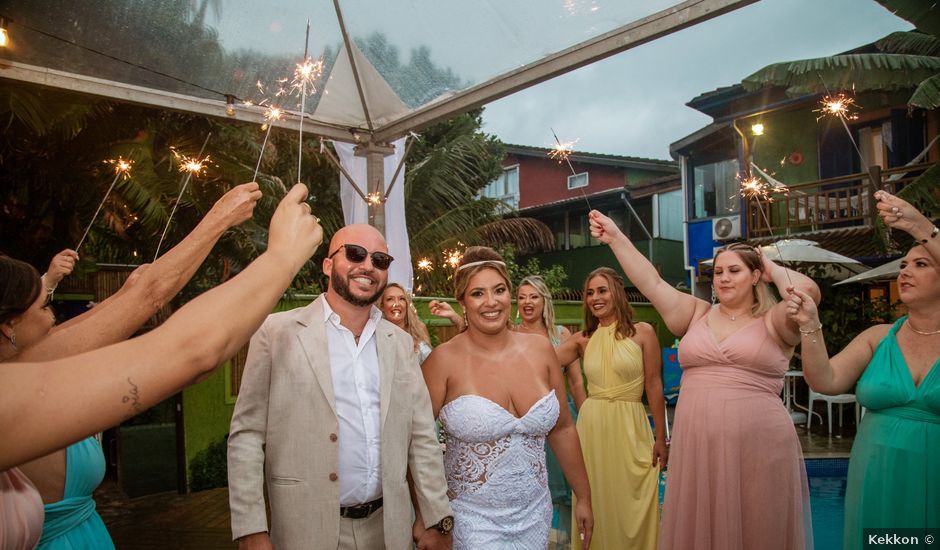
553	276
209	468
845	313
923	15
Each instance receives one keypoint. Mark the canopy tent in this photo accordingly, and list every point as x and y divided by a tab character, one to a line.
883	272
389	68
804	253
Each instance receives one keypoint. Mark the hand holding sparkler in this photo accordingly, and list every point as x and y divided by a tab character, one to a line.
897	213
61	265
294	233
603	228
445	310
236	206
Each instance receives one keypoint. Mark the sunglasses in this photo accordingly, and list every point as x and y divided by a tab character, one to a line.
357	254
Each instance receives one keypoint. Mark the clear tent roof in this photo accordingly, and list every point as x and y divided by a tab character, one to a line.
400	65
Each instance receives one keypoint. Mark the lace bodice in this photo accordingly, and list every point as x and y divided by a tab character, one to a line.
495	466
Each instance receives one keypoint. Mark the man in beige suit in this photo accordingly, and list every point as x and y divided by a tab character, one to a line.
331	417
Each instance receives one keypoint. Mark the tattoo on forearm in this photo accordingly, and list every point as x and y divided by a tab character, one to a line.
133	397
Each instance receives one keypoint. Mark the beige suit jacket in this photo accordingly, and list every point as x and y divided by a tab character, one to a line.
284	431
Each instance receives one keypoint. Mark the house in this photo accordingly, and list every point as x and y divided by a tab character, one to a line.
642	195
830	166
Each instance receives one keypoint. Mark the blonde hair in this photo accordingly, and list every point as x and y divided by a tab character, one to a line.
413	324
623	311
548	309
763	298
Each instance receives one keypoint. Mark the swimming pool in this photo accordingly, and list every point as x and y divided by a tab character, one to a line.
827	478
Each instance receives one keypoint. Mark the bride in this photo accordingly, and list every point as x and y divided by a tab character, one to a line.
500	395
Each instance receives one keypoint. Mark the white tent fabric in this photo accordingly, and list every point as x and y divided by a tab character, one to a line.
355	210
889	270
340	103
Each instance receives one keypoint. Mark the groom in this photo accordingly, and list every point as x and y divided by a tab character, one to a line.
332	415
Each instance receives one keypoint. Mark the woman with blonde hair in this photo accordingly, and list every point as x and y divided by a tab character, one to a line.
536	312
621	360
398	307
736	473
500	396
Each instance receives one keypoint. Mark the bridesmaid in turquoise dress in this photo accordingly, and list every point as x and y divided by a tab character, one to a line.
72	522
894	468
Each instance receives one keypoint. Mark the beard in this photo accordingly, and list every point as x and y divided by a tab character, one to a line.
341	285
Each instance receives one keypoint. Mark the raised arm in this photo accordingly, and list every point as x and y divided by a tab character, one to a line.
61	266
677	309
443	309
119	317
49	405
783	328
824	375
897	213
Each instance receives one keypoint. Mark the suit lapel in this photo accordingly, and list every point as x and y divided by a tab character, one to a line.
312	339
385	349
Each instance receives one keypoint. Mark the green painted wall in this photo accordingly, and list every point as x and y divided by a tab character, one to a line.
578	262
785	133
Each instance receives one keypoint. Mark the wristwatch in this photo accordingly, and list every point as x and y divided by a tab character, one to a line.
445	526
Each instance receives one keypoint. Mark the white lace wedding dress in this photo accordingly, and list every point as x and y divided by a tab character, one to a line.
496	477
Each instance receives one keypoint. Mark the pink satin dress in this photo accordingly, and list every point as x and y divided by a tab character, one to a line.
21	511
736	476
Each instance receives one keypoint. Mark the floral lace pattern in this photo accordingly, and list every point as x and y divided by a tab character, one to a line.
496	477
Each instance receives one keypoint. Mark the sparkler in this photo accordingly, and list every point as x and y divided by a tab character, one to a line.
270	115
375	198
122	167
756	188
424	264
191	166
841	107
561	152
305	75
453	257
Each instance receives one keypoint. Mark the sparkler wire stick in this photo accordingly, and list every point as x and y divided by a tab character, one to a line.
189	174
329	155
752	188
272	115
565	156
121	167
303	101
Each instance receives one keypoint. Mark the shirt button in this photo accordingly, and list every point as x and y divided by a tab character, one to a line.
333	477
333	437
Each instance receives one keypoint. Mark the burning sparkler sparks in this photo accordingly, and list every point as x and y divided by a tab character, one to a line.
270	114
753	187
190	166
306	75
122	167
424	264
561	152
453	257
375	198
839	106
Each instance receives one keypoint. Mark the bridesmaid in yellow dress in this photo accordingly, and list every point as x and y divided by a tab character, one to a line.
621	360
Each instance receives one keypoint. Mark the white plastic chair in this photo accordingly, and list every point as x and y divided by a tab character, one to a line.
840	400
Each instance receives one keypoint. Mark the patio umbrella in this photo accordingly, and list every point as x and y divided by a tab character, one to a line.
810	257
889	270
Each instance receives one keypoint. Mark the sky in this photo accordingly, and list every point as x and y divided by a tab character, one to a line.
633	103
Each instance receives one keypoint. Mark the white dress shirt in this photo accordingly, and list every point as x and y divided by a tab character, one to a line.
355	371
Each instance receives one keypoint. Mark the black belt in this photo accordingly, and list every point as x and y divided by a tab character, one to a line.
360	511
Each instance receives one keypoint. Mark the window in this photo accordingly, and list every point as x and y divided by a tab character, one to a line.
669	212
715	189
505	187
578	180
557	225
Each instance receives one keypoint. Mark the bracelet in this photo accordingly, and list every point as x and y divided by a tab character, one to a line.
933	234
48	290
808	332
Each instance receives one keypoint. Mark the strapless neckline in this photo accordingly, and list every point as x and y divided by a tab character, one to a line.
534	406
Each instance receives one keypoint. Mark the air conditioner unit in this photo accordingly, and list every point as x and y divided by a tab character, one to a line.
728	227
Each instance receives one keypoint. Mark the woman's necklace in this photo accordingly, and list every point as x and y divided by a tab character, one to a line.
922	333
728	315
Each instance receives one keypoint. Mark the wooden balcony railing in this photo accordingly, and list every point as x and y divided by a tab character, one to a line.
845	201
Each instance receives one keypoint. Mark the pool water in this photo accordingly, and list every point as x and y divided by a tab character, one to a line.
827	480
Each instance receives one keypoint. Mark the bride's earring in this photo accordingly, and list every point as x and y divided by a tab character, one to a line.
12	339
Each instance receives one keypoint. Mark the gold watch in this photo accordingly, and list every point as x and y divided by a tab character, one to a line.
445	526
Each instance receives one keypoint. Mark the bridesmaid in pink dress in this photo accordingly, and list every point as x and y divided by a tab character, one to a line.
736	473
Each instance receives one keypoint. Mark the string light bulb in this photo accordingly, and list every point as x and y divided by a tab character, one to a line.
229	105
4	34
757	129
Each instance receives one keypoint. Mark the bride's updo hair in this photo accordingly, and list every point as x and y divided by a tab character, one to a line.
476	259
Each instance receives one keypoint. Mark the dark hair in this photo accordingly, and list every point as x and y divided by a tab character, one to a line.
20	286
622	309
751	257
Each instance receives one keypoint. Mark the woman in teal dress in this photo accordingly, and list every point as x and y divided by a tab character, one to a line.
72	522
537	313
894	468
